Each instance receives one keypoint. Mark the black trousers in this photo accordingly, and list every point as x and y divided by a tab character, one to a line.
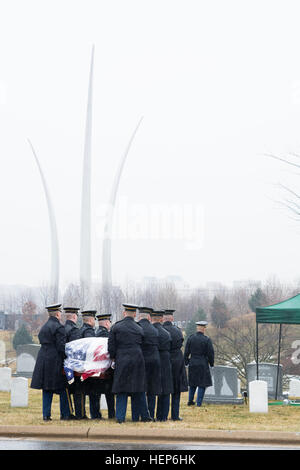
77	390
175	405
95	399
163	407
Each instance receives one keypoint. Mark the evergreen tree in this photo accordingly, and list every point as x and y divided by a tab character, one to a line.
200	315
190	328
191	324
258	299
219	313
22	336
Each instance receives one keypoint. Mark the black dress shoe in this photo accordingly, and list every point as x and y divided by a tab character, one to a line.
47	418
120	421
190	403
146	420
177	419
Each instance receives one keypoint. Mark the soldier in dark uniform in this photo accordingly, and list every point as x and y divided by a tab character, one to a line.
88	331
71	328
73	333
48	371
164	347
177	361
152	362
199	355
124	346
104	384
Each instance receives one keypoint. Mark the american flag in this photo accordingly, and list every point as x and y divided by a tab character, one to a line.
87	356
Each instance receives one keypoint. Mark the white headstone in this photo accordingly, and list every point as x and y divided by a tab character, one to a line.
5	379
25	363
258	396
19	392
294	388
103	404
2	352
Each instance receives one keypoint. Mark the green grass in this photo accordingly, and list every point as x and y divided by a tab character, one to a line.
209	416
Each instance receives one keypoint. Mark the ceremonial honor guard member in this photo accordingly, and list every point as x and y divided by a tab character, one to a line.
177	361
164	347
71	328
48	371
199	355
104	384
124	346
152	363
88	331
73	333
88	324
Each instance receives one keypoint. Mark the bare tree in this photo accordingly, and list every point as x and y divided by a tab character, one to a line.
235	344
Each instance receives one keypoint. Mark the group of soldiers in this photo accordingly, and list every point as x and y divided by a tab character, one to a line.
148	364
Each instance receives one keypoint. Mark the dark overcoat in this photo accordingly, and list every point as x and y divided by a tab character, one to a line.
164	347
72	331
48	370
102	332
124	346
86	331
151	357
199	355
180	382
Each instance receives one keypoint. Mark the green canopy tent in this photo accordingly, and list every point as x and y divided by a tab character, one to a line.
285	312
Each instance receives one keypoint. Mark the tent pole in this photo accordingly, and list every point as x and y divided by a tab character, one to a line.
278	364
256	351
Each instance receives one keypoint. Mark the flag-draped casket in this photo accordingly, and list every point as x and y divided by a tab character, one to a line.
88	357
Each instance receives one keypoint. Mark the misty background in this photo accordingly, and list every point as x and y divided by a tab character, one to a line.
218	86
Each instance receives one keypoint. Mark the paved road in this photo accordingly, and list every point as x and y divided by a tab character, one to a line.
21	444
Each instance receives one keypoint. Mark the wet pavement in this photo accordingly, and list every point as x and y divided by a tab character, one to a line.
28	444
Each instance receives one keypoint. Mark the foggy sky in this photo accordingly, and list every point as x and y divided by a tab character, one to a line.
218	86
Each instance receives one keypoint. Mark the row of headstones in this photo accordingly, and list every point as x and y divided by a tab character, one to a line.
258	394
17	386
226	385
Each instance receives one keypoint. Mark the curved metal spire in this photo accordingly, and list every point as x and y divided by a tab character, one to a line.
85	233
106	246
54	276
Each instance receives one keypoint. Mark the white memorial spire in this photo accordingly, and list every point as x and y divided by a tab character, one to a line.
85	233
106	247
54	276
